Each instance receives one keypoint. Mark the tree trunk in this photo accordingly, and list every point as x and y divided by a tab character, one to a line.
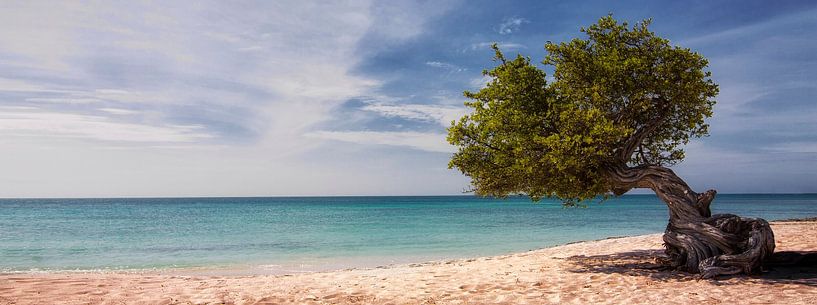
695	240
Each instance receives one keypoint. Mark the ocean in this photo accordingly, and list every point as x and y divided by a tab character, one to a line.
294	234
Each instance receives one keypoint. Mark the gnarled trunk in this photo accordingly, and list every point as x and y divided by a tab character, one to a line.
697	241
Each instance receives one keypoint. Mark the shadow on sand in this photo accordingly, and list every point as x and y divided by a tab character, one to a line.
647	263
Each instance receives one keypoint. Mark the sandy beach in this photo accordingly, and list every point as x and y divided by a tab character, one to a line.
611	271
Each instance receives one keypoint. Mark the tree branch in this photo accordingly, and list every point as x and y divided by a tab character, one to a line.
664	182
485	144
635	140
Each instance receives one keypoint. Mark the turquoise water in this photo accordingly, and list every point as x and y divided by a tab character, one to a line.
315	233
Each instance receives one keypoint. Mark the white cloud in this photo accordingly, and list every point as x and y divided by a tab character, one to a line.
753	30
64	125
480	82
63	100
164	99
446	66
794	147
251	49
748	171
510	25
764	101
429	113
16	85
402	20
286	64
119	111
426	141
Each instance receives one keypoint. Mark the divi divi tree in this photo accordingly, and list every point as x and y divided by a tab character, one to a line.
622	104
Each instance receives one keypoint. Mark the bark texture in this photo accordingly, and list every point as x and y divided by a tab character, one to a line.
697	241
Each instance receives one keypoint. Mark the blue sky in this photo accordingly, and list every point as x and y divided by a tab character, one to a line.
351	98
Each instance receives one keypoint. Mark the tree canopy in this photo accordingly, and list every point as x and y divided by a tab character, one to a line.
622	96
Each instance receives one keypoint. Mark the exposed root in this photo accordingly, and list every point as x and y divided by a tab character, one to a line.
720	245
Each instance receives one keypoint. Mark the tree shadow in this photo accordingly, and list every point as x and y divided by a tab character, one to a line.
648	263
799	266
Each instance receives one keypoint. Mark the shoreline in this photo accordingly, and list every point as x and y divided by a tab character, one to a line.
228	270
612	270
248	237
264	270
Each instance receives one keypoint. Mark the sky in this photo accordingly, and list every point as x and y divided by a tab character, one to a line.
310	98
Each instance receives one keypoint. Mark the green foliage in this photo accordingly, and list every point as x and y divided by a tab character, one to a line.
621	96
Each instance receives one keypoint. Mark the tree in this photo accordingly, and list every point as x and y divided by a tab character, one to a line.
622	105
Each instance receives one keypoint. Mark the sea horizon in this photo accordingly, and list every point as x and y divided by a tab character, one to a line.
342	196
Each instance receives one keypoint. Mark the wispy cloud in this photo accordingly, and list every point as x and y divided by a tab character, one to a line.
280	67
402	20
446	66
119	111
763	70
62	100
480	82
127	81
426	141
19	123
510	25
795	147
430	113
743	32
